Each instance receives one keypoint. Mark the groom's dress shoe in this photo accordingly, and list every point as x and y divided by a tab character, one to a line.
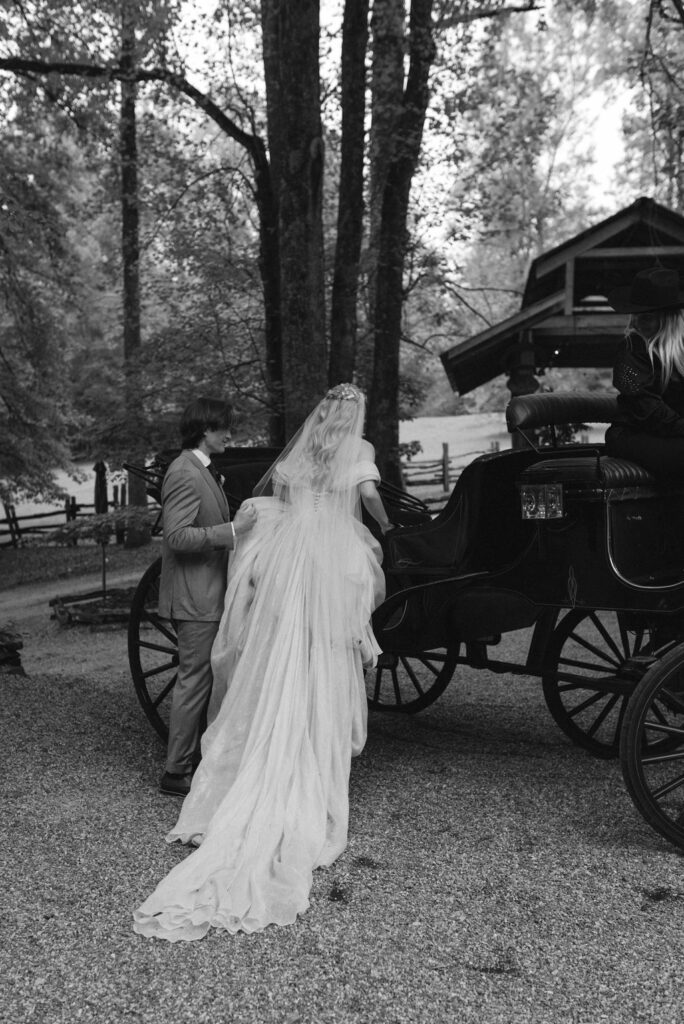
175	785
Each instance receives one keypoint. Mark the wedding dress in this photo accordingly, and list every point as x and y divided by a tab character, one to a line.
269	800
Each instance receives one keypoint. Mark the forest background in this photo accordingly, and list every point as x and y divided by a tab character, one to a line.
261	198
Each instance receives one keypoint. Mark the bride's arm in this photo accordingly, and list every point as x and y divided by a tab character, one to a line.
373	504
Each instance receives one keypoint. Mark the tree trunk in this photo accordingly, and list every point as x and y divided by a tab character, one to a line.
383	412
269	271
290	42
130	249
350	208
388	26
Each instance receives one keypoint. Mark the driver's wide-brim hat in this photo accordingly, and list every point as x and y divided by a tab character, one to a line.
654	289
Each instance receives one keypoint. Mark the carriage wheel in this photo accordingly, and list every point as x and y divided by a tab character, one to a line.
652	746
152	652
593	663
409	682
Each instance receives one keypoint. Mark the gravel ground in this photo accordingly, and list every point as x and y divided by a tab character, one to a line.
494	872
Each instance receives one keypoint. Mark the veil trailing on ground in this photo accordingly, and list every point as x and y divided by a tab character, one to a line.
269	801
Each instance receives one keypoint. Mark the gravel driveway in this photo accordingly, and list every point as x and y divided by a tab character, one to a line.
494	872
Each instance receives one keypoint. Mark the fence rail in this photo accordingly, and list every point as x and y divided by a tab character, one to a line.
443	472
15	529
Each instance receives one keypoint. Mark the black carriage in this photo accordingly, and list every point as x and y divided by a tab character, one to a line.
583	549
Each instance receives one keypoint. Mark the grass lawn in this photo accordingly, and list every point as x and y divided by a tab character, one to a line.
42	563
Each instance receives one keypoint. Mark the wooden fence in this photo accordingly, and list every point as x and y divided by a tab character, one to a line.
14	529
441	472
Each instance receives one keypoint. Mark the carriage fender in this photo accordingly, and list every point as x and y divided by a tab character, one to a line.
543	631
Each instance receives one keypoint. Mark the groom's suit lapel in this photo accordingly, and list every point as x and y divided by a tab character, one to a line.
211	486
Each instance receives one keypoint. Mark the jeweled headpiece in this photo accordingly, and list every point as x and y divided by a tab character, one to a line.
345	391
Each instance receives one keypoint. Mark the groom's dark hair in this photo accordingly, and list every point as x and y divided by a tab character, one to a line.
201	415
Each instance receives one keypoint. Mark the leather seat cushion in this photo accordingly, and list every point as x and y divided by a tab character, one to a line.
604	471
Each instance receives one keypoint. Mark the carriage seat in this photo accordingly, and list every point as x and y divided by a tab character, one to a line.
556	408
590	475
478	530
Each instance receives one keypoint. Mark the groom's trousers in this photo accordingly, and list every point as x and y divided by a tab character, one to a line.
190	695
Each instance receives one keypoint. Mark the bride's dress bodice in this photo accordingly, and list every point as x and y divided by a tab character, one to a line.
312	501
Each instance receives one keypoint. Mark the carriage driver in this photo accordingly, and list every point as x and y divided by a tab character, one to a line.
197	536
649	374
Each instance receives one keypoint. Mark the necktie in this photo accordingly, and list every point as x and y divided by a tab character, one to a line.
215	473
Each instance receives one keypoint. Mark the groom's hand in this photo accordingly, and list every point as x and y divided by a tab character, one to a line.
245	518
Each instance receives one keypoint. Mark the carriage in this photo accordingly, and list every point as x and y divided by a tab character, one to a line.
582	550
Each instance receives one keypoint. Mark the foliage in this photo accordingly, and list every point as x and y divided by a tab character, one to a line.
503	174
101	527
654	162
36	296
507	129
202	321
561	434
407	449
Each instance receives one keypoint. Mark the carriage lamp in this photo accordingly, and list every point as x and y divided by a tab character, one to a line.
541	501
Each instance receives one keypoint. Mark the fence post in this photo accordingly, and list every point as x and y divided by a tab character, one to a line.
71	510
120	531
445	465
13	525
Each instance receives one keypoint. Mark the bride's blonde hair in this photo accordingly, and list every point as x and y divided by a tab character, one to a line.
340	416
664	336
322	454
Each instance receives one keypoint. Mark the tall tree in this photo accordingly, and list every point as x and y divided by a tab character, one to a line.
130	250
37	296
295	140
661	105
345	289
395	188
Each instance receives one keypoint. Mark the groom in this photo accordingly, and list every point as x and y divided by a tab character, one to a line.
197	536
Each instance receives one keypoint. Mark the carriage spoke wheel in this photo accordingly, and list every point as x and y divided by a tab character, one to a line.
652	746
152	652
409	682
593	663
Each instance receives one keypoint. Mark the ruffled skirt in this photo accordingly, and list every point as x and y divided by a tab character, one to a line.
269	800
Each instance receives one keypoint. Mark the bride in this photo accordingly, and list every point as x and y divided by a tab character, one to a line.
269	801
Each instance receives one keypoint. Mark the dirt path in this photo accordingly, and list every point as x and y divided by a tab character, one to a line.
26	601
63	651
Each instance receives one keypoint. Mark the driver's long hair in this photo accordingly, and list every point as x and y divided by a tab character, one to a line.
663	333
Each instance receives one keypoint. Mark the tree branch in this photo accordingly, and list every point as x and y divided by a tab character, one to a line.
647	42
679	7
458	295
114	72
449	21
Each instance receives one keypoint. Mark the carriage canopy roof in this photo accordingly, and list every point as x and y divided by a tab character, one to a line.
565	319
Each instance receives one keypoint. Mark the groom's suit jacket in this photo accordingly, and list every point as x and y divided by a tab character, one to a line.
195	542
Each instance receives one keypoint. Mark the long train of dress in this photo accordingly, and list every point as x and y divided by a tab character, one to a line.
269	801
